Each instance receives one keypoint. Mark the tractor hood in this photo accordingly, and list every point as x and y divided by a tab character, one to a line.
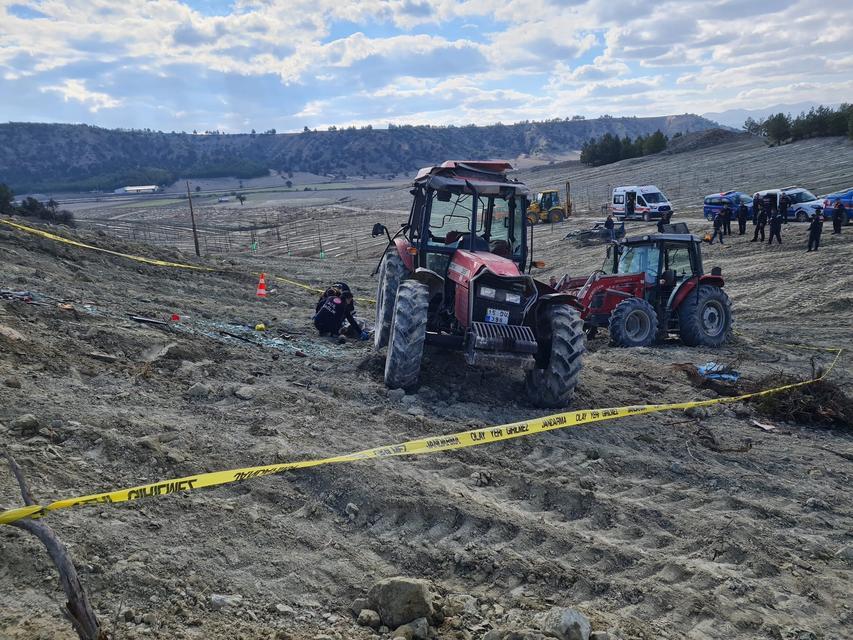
466	264
488	178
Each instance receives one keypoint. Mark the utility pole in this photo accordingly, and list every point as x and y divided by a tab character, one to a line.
192	219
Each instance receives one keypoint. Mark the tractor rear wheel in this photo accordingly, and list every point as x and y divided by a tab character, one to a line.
633	323
408	332
705	317
559	359
391	274
555	215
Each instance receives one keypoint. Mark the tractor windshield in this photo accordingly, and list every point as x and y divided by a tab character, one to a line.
641	258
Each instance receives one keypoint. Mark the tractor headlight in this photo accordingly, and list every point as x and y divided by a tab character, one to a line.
513	298
488	292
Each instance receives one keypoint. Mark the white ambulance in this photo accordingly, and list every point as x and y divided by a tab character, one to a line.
645	203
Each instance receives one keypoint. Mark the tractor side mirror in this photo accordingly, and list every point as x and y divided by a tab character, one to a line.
378	229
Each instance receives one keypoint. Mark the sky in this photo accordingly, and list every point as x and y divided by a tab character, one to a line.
239	65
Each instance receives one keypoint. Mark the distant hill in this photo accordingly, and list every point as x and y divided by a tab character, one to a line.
735	118
65	157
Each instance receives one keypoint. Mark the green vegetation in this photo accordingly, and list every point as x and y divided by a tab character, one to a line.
32	208
817	123
609	148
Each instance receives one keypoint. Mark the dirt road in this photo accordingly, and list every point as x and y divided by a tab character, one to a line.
655	526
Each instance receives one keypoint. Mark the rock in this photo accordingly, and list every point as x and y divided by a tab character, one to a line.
284	610
358	604
219	601
396	395
352	511
369	618
244	392
565	624
408	400
12	383
420	627
697	412
461	603
404	632
514	634
25	424
599	635
400	600
415	411
199	390
103	357
128	615
149	619
11	334
481	478
811	503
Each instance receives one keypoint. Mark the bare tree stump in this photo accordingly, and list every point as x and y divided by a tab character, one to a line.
77	609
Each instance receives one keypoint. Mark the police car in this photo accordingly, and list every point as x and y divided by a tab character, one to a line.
803	205
715	202
846	199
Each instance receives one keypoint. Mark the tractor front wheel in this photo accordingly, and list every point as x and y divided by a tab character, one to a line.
555	215
559	359
391	274
705	317
633	323
408	332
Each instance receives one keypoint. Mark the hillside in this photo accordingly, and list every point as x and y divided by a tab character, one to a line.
64	157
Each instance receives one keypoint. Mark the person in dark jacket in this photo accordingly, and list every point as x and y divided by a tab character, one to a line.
334	306
742	214
630	204
727	219
756	207
609	225
775	228
815	229
718	228
784	204
759	218
838	215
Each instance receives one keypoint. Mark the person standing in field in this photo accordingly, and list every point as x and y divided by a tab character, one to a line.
775	228
815	229
742	214
784	203
756	207
727	219
838	214
759	218
718	228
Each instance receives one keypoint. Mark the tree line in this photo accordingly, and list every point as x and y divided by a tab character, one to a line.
817	123
611	148
31	208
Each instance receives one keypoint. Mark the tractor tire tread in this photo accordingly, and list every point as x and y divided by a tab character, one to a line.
561	329
391	273
689	320
408	332
618	318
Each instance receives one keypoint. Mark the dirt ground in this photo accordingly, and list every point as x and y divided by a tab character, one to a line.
656	527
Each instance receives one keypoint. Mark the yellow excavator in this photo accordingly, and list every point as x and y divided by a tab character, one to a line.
548	208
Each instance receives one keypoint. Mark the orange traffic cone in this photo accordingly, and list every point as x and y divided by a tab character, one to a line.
262	287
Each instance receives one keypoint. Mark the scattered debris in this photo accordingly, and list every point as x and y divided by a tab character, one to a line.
820	403
762	425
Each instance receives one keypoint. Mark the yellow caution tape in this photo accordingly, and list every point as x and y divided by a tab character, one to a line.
432	444
152	261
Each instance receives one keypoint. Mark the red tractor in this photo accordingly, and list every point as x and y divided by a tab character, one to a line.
654	285
456	275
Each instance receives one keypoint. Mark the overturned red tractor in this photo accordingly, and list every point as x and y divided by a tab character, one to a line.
456	275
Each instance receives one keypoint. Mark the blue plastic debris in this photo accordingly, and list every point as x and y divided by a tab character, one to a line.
714	371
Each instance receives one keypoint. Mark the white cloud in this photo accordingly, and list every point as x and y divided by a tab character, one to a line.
73	89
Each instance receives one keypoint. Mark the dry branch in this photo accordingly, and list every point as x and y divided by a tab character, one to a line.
77	608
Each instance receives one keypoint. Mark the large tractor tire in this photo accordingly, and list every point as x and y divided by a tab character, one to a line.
705	317
559	360
555	216
408	331
392	271
633	323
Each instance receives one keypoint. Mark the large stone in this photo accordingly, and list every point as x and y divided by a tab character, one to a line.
358	604
199	390
565	624
220	601
368	618
245	392
25	424
401	600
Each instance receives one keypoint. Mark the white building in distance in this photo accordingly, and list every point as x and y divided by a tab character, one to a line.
151	188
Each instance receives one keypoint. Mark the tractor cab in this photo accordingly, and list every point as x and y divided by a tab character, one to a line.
456	276
547	200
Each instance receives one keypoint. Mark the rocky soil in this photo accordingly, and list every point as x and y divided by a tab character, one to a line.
661	526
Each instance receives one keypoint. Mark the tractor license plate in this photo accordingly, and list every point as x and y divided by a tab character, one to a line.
497	316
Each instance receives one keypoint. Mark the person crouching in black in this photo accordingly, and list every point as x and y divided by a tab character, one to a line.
334	306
